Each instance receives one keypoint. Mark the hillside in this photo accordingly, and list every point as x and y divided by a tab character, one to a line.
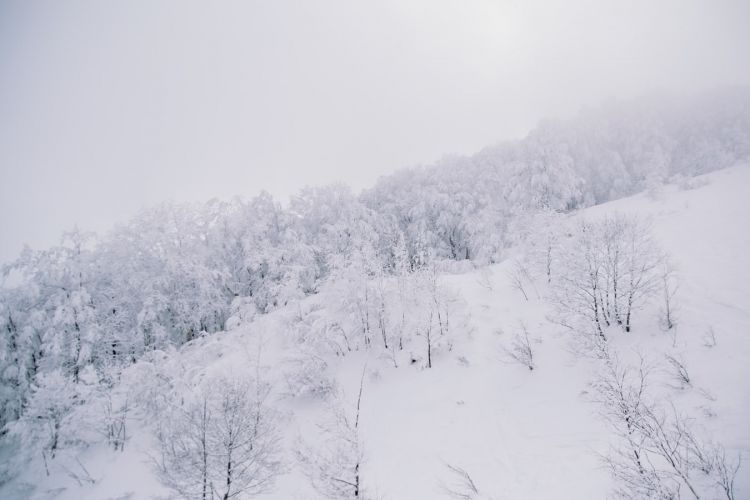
519	433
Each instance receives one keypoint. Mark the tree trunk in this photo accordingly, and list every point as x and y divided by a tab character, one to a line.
627	315
55	437
204	444
596	320
356	480
429	348
229	479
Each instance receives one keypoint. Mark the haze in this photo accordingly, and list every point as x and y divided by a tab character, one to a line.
106	107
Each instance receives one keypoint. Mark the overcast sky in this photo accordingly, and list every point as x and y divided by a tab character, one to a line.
106	107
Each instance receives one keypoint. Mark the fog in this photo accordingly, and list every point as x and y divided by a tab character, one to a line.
106	107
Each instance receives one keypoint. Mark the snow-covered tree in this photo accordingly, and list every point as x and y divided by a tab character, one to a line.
46	423
578	290
609	267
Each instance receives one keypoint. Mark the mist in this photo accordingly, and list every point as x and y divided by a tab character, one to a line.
108	107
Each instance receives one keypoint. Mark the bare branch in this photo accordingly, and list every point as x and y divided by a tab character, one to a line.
463	487
520	350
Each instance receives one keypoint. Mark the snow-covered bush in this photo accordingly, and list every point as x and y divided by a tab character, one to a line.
47	424
307	374
521	350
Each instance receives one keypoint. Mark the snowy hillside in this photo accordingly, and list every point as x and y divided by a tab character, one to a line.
519	433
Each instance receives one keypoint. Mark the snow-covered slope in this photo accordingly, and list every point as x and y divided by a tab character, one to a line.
521	434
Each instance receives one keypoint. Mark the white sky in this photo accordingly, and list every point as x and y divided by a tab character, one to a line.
109	106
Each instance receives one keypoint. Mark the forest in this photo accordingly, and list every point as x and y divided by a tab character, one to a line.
91	328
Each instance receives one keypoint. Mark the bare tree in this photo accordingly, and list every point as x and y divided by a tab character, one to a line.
428	337
613	267
661	452
245	440
223	443
667	316
642	261
550	248
183	442
621	393
519	275
516	275
668	436
334	469
723	468
577	291
113	421
381	309
609	268
439	312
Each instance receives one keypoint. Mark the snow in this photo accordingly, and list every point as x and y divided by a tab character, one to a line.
519	433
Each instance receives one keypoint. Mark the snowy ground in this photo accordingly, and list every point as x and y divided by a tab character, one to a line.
520	433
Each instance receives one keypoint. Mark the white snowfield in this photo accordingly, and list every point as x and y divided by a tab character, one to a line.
519	433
